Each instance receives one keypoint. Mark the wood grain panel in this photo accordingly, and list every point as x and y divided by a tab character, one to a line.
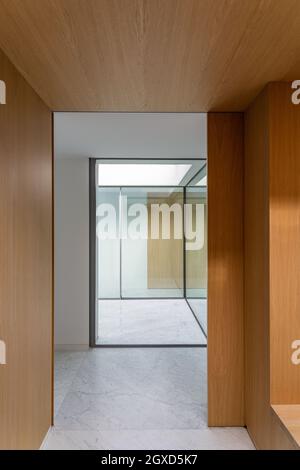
272	260
151	55
284	207
289	415
225	270
165	256
26	263
196	260
257	331
280	437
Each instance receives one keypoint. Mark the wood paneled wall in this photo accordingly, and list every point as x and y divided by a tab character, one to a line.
272	261
151	55
26	263
165	256
284	213
225	270
257	334
196	260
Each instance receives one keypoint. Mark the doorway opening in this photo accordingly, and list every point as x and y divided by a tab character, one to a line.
148	253
152	389
145	385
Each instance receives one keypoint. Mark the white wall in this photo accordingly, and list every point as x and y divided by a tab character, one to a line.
134	259
131	135
134	256
108	250
71	253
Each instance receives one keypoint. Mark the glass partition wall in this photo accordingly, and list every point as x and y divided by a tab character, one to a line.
130	263
196	259
150	259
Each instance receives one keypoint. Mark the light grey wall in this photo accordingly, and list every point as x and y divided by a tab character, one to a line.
130	135
71	253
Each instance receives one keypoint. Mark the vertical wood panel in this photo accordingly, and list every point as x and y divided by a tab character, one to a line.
257	334
164	256
284	241
225	270
26	263
272	262
196	260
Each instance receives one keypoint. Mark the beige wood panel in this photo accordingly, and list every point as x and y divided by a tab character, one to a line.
225	270
165	264
165	257
196	260
26	263
284	177
280	437
289	415
151	55
272	260
257	334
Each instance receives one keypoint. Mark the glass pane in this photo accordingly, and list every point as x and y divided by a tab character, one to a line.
196	251
152	242
107	243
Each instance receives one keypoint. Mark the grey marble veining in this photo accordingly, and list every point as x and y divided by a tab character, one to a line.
153	321
202	439
136	399
67	364
137	389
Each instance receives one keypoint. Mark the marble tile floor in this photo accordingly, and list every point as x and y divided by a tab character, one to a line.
199	307
147	321
135	398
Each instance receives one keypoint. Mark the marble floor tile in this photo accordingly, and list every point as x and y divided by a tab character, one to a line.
132	388
202	439
67	364
199	307
166	321
128	398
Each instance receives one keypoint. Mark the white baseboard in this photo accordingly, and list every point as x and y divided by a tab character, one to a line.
71	347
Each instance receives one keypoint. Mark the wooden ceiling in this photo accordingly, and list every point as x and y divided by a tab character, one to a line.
151	55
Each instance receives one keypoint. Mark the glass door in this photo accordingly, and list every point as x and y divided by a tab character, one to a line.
108	250
196	255
152	242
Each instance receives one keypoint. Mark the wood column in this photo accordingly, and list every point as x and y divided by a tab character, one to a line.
272	262
26	263
225	270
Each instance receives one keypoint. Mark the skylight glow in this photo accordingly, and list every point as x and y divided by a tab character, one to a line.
122	174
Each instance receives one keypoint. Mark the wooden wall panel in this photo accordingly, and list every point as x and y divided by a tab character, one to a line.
289	416
151	55
257	334
272	262
196	260
284	207
26	263
225	270
165	257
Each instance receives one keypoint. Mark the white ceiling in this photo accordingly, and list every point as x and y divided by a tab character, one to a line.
125	135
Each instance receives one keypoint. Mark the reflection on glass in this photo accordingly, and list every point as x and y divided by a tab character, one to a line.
142	252
139	242
151	259
196	260
107	243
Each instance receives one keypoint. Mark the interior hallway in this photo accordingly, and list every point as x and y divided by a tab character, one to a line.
135	398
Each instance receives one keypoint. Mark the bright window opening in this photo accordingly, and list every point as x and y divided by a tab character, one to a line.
141	174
